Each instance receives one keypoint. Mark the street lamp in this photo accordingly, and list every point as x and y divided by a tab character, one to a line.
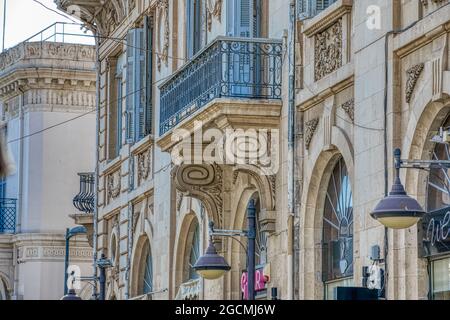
213	266
69	234
398	210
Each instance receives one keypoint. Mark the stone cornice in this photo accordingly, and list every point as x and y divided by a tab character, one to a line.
425	31
324	94
327	17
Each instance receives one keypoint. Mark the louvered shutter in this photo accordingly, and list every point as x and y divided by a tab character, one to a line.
243	12
190	22
131	86
141	82
148	34
302	9
321	5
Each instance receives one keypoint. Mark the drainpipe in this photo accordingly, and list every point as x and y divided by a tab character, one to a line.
290	162
97	126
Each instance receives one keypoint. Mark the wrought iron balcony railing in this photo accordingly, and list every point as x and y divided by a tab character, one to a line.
8	215
228	67
84	200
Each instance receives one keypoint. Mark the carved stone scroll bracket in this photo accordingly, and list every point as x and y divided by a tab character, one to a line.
205	183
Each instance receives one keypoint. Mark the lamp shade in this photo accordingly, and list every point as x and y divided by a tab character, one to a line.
71	295
211	265
398	210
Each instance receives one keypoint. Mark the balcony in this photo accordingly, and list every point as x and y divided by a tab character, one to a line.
84	202
229	68
8	215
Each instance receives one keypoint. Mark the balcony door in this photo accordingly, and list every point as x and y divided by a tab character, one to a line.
244	21
193	26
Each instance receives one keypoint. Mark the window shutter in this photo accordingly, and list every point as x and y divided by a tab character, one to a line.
190	27
141	81
321	5
148	35
244	14
302	9
131	87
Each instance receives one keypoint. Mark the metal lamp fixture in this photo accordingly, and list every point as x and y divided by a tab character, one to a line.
398	210
71	295
211	265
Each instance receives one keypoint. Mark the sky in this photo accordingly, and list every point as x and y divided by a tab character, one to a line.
24	18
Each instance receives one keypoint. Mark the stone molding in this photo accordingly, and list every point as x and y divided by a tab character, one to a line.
114	185
163	44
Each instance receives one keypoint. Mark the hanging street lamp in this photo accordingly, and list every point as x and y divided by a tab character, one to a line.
212	266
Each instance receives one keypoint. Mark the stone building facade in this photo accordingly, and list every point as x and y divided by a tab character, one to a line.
337	84
43	84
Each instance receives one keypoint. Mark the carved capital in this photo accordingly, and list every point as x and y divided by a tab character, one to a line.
349	108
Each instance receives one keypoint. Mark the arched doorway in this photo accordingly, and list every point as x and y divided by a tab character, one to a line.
337	231
144	275
436	224
3	290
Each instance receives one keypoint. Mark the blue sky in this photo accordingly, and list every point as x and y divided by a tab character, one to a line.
25	18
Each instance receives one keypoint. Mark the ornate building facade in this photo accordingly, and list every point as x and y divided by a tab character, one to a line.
334	86
44	83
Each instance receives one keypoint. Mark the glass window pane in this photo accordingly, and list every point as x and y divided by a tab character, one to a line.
441	279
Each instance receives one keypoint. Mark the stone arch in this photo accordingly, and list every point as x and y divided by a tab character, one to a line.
426	116
311	217
142	239
5	288
184	238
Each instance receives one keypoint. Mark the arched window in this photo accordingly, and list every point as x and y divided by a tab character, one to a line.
147	268
439	178
437	238
337	257
194	252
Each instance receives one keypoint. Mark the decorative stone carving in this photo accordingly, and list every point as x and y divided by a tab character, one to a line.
179	200
189	290
214	9
310	129
235	176
204	182
349	108
163	21
412	75
328	50
114	185
144	165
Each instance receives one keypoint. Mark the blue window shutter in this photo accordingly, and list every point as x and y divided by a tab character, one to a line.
141	82
148	34
243	13
131	86
302	9
190	27
119	114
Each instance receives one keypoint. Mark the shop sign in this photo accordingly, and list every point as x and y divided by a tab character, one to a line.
436	232
260	282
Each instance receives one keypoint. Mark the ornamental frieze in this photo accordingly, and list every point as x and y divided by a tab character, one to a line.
163	34
328	50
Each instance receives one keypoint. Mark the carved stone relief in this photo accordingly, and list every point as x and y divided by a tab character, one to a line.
144	165
328	50
163	35
114	185
214	9
412	75
349	108
310	129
